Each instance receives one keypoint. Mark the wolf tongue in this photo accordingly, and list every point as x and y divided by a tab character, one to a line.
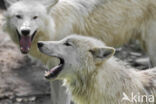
25	43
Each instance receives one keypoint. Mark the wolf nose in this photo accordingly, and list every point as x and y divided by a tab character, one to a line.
25	32
40	44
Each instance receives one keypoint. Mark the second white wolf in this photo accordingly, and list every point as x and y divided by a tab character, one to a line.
113	21
93	76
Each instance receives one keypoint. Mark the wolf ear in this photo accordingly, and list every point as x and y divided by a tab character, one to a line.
8	3
50	3
101	54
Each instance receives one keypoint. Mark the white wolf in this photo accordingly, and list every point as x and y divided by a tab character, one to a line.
113	21
93	76
27	22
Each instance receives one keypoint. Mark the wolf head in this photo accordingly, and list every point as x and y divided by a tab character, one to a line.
24	19
77	54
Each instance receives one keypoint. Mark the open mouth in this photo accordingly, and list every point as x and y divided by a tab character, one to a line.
25	42
54	72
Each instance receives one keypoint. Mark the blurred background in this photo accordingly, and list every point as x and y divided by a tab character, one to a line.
2	6
22	80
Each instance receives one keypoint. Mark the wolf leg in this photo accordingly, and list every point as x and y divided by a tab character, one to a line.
151	42
58	93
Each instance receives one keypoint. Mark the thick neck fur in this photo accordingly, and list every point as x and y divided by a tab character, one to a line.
105	85
81	87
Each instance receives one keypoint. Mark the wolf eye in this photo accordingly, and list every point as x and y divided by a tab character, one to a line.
35	17
67	44
19	16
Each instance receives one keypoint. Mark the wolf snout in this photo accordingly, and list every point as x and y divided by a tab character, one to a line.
40	44
25	32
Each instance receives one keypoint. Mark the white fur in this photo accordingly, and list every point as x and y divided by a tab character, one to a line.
44	26
113	21
104	82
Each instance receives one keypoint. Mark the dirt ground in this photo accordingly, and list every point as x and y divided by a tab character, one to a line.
22	81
